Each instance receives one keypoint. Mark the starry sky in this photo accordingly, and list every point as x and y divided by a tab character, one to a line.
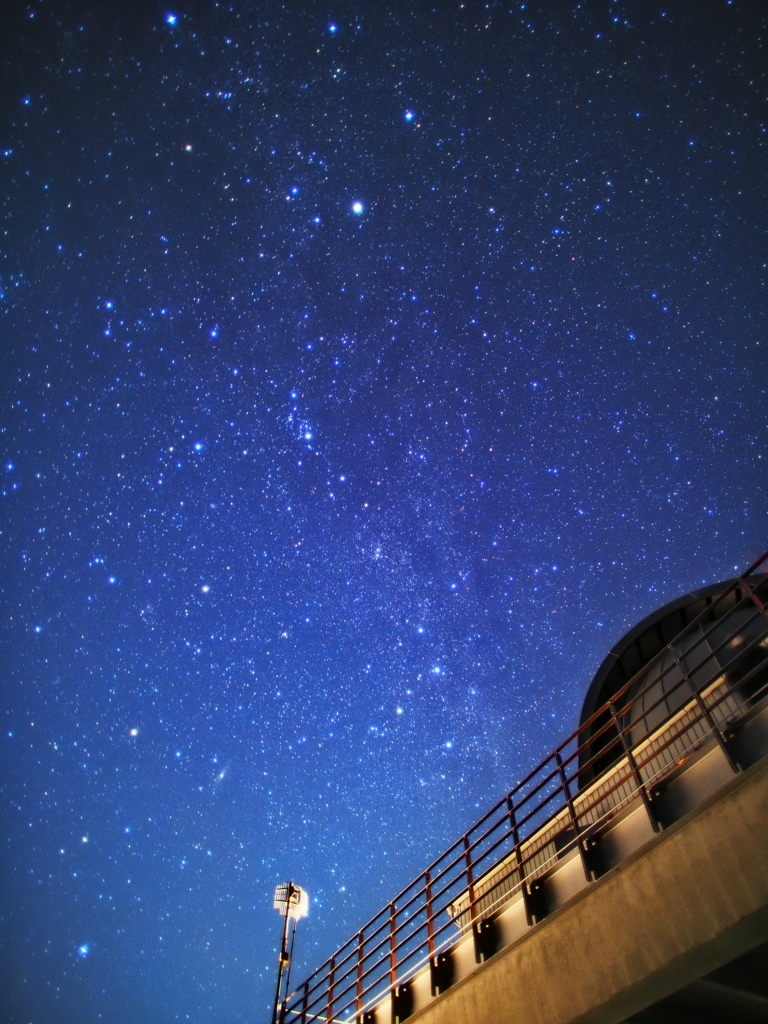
367	371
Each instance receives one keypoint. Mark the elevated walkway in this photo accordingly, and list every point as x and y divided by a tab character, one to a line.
692	900
628	871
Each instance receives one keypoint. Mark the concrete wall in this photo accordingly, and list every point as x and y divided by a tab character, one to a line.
692	899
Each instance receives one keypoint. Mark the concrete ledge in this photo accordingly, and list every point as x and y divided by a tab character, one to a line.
694	898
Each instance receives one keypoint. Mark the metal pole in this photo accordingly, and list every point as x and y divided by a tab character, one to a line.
283	952
359	992
288	973
392	947
706	714
573	817
524	891
655	825
304	1002
331	981
430	915
479	957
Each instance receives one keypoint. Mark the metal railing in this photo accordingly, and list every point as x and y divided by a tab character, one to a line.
710	674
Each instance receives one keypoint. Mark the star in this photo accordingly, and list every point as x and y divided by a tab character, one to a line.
427	466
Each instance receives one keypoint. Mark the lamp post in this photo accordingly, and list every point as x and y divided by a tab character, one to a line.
293	903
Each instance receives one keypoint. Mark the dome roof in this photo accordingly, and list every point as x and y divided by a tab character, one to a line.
669	642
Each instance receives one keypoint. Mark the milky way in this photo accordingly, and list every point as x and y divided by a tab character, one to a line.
367	372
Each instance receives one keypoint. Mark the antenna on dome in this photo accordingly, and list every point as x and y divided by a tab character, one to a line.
293	903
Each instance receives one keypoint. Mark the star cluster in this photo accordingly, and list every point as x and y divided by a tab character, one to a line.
367	372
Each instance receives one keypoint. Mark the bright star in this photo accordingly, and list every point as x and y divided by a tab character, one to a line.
357	208
170	19
83	950
409	115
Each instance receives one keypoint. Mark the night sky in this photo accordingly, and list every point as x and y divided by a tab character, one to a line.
367	371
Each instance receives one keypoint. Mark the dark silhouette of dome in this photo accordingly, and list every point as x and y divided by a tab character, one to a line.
699	641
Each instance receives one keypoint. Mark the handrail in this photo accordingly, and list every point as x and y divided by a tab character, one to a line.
552	800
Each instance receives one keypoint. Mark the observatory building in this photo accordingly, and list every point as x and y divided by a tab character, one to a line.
625	879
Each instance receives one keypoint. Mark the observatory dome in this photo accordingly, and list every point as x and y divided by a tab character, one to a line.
680	641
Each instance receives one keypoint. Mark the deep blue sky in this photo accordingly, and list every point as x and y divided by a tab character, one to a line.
366	372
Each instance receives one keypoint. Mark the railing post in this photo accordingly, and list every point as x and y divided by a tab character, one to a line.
392	947
471	892
329	1008
359	992
588	873
304	1002
714	728
434	976
644	796
470	880
430	921
753	596
519	860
